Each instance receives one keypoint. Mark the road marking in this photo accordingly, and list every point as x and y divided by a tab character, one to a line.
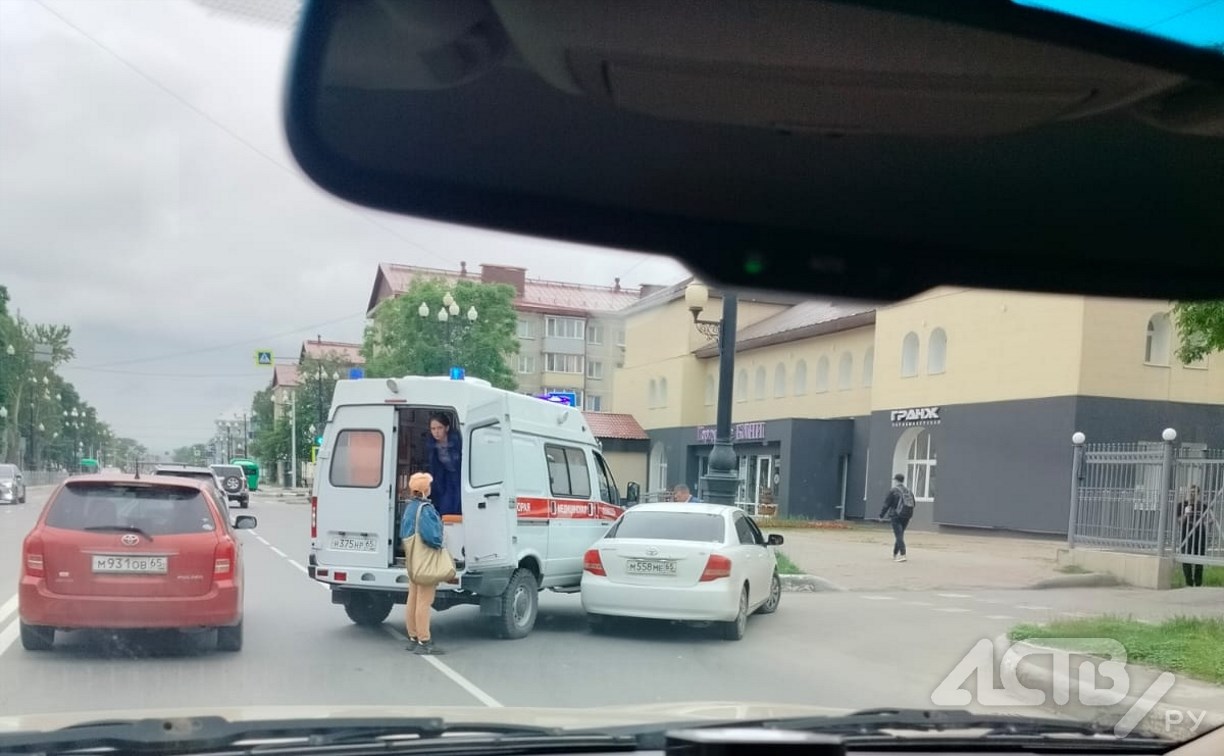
278	552
952	595
8	635
878	598
951	609
1033	607
295	564
918	603
999	617
455	677
8	608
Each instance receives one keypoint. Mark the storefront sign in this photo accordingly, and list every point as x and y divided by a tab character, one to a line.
739	432
915	416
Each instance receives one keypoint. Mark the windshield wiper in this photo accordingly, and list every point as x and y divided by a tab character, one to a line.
196	734
119	529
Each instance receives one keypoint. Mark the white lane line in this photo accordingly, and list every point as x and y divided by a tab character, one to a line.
8	636
8	608
1033	607
262	540
295	564
952	595
278	552
951	609
918	603
878	598
999	617
455	677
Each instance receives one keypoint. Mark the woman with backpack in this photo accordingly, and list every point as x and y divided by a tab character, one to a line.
899	508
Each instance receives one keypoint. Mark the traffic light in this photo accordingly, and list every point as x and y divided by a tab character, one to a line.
319	440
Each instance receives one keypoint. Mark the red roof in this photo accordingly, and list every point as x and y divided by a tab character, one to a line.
615	425
538	294
284	375
317	349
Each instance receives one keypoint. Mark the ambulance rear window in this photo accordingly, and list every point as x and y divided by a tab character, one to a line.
357	460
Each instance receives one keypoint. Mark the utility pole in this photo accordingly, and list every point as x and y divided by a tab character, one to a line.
293	442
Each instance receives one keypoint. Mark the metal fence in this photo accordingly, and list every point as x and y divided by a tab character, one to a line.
1152	498
43	477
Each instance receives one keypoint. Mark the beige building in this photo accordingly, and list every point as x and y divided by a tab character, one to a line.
972	394
571	336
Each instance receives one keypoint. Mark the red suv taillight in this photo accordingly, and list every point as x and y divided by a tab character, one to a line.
224	557
592	563
718	566
314	516
32	556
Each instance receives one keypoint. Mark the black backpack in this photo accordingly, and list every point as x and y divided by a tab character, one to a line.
905	507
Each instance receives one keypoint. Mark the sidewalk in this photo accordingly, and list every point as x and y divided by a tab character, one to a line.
860	559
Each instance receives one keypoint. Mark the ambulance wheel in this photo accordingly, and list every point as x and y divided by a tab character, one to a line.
367	609
520	606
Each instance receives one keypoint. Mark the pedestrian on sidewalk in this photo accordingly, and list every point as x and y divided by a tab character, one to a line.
899	508
1195	518
681	493
420	529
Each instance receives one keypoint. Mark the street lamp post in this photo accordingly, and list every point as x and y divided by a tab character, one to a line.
721	482
293	439
449	309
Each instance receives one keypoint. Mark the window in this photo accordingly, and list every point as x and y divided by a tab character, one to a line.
800	377
595	370
530	472
595	334
157	510
527	363
654	394
486	457
620	337
670	526
658	467
563	363
780	380
607	483
662	392
909	355
743	532
759	393
526	329
567	471
711	391
868	366
565	328
920	466
741	387
357	460
937	352
1159	338
822	374
845	371
594	403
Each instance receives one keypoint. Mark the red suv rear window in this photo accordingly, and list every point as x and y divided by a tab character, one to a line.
156	510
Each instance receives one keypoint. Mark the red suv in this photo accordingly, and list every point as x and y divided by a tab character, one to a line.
120	552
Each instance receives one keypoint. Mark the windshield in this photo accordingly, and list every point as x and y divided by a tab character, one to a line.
1190	22
914	486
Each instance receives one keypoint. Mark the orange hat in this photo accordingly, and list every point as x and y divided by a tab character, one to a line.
420	483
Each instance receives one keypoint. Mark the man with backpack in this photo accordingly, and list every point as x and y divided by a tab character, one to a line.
899	507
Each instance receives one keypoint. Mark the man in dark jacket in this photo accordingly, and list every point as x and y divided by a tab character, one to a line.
899	508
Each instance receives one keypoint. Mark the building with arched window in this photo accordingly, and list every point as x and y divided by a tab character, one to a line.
972	395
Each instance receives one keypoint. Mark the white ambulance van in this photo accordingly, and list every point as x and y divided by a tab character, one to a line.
536	494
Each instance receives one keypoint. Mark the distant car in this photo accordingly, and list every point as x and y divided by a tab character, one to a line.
234	483
12	485
690	562
123	553
196	473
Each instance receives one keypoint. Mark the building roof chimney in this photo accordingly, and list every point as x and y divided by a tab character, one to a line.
616	287
462	269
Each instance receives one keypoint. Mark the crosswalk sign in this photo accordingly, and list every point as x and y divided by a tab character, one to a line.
263	358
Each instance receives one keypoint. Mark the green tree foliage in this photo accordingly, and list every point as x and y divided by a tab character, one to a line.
399	341
1201	325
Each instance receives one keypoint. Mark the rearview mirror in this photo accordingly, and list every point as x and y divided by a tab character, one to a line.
633	492
244	522
774	539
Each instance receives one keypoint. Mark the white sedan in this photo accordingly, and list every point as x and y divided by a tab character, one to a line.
683	561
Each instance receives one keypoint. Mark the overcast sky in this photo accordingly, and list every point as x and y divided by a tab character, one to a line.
149	201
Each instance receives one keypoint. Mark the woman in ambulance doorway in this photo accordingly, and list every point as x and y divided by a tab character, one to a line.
445	454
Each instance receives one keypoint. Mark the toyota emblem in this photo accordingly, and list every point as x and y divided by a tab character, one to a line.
129	539
652	551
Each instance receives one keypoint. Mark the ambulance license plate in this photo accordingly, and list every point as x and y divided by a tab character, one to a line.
344	543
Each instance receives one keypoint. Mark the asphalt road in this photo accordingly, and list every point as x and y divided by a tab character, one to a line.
843	650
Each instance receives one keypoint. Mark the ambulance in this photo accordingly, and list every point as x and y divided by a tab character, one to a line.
536	494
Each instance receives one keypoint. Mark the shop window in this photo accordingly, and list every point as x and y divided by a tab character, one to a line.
1159	340
937	352
868	366
920	466
658	468
780	381
710	391
760	383
654	394
800	377
741	385
822	374
909	355
845	371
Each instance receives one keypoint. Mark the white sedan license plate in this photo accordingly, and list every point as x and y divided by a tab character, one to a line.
344	543
132	565
650	567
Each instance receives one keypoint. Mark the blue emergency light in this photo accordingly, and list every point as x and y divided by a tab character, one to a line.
456	374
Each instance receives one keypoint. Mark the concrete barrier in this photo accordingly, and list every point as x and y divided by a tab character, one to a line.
1139	570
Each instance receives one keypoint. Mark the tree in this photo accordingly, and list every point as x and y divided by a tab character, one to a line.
1201	325
401	342
195	454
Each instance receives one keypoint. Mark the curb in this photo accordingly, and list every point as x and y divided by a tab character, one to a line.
807	584
1170	719
1084	580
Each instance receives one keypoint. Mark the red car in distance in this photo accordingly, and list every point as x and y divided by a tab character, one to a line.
118	552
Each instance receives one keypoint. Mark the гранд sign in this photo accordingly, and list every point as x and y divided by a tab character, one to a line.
915	416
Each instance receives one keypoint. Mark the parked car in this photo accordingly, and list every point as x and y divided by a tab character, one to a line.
683	561
121	553
12	485
234	483
196	473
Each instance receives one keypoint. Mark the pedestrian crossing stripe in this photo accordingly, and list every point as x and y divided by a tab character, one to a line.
263	358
